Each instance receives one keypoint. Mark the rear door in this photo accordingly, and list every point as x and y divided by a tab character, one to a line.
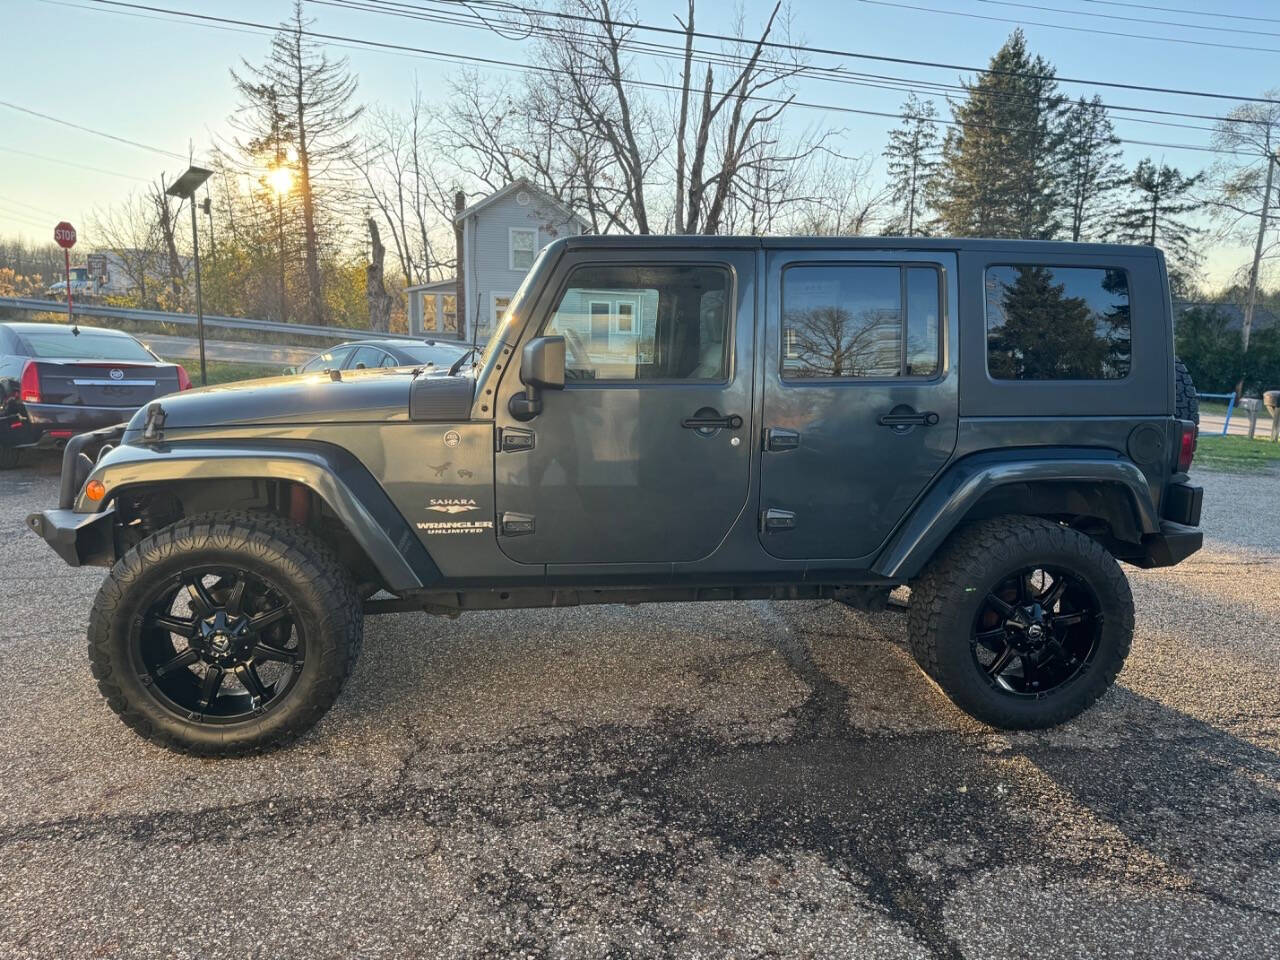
860	398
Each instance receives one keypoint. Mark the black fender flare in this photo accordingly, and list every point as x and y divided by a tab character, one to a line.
960	488
331	472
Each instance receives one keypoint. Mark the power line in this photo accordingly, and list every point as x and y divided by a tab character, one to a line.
828	74
23	203
1197	13
723	37
777	44
1146	20
651	84
1063	26
69	163
97	133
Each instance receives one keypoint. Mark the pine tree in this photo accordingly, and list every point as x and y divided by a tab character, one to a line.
299	93
1156	215
1000	173
1091	168
910	160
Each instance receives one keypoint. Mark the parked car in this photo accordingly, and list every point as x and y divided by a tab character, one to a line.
368	354
57	381
995	424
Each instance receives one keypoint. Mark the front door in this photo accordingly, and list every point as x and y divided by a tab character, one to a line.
644	457
860	402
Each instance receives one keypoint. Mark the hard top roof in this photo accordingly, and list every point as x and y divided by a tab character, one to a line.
1019	247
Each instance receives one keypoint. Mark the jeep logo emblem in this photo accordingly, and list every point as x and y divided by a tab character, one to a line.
116	374
452	439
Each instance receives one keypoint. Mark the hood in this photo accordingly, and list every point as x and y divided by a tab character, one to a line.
361	395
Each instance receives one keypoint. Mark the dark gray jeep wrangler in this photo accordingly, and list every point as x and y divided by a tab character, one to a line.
994	424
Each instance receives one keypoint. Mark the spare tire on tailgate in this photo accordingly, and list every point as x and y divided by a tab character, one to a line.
1186	405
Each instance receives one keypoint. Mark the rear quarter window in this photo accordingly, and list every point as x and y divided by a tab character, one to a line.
1057	323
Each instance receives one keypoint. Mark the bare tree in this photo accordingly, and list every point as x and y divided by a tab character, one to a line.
166	219
300	94
375	286
846	201
130	231
1243	187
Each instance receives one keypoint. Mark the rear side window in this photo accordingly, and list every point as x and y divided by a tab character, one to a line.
635	323
876	321
329	360
1057	323
87	346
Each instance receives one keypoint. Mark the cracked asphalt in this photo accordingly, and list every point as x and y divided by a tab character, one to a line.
745	780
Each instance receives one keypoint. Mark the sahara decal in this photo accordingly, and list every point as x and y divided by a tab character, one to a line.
451	505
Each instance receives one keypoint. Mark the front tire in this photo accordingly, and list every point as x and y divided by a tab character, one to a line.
225	633
1022	622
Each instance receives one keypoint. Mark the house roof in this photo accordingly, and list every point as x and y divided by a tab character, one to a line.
513	187
1263	319
436	286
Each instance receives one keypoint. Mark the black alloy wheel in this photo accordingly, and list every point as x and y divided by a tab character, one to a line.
219	645
1036	631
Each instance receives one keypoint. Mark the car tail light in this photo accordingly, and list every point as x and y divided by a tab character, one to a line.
29	389
184	381
1187	448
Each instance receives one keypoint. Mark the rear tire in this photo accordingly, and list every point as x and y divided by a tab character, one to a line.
225	633
9	457
1000	643
1186	403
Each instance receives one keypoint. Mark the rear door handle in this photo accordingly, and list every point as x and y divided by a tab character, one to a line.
926	419
730	422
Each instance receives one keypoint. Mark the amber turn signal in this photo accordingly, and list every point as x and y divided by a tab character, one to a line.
95	490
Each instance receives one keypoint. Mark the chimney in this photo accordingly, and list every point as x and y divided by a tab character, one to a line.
460	204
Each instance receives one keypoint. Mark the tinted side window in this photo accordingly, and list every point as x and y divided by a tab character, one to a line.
1057	323
630	322
329	360
847	320
369	356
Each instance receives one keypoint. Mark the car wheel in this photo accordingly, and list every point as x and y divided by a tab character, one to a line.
224	633
9	457
1022	622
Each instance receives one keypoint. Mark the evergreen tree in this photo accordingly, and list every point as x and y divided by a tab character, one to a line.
910	160
1000	173
1091	168
300	97
1156	215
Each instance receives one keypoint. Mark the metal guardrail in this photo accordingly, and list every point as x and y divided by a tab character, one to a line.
184	319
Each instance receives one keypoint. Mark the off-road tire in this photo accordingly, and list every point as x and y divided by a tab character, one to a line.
316	584
1186	403
947	596
9	457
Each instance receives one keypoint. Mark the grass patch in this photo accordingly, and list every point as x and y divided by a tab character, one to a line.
1238	454
220	371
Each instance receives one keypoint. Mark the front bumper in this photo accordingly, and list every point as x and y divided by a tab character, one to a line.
81	539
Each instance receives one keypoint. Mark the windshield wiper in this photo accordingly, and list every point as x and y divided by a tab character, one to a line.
457	364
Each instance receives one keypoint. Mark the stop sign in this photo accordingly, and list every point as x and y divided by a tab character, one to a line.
65	235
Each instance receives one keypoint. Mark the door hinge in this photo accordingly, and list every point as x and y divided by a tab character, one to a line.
777	439
517	524
774	520
514	440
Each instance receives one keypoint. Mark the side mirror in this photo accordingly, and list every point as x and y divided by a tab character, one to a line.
541	368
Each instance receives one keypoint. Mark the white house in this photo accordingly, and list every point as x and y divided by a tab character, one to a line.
498	239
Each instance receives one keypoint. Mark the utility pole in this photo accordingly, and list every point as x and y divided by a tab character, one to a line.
185	187
1252	300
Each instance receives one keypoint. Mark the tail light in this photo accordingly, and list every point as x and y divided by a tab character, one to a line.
1187	447
29	388
184	381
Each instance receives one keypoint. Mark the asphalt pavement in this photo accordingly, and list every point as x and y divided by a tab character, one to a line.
231	351
747	780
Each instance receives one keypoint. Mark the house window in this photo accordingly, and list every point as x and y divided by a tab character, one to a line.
523	247
500	303
625	316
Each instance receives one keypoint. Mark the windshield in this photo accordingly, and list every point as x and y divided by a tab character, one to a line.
502	329
440	354
87	346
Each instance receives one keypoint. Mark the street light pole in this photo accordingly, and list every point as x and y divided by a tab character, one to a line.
185	187
195	250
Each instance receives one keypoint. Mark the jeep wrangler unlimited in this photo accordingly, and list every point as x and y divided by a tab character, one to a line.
994	424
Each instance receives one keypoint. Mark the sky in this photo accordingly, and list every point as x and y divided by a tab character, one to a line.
164	81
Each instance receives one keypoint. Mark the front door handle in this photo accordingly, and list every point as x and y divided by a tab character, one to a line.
702	422
926	419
